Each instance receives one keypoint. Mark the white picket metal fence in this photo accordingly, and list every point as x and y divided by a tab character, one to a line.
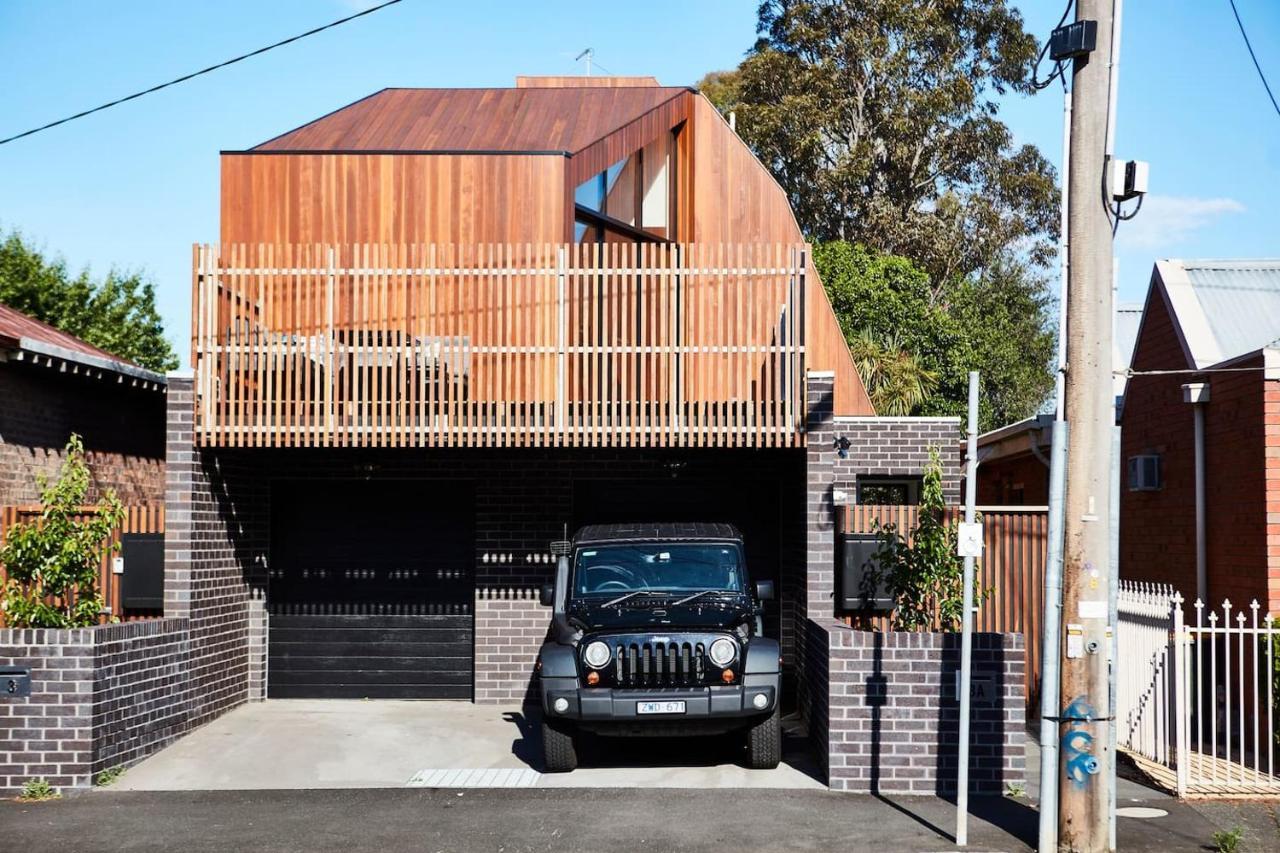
1196	697
1144	677
1226	687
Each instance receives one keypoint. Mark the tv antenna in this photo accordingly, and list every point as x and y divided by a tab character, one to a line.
586	54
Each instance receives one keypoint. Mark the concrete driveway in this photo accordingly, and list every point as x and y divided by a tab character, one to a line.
291	744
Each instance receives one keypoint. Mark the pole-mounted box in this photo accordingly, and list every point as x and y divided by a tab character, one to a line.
1076	39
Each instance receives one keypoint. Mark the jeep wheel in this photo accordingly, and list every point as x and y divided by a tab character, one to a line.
764	743
559	752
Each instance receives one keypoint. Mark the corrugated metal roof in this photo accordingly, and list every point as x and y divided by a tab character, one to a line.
14	324
1128	319
1240	301
23	332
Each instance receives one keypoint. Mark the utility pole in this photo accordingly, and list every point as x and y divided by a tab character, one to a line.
1086	768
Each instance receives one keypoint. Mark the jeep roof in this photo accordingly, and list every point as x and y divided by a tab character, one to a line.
663	532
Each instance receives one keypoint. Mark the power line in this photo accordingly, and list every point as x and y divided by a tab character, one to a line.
186	77
1254	57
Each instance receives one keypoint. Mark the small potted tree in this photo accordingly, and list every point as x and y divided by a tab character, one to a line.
51	563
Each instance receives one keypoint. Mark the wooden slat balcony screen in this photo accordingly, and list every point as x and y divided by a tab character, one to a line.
499	345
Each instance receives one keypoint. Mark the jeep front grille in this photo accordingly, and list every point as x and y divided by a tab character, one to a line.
674	664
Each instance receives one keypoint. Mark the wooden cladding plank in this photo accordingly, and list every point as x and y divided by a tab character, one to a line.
499	345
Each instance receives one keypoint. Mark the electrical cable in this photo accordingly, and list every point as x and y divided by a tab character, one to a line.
1254	57
1058	70
186	77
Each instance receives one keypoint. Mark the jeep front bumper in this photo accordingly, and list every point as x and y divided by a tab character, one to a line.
604	704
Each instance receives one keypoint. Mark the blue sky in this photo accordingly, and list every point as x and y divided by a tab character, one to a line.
134	186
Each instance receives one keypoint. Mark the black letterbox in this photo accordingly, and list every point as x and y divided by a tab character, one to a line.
142	586
14	681
857	561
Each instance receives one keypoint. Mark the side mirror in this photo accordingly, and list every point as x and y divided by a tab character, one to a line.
547	594
764	590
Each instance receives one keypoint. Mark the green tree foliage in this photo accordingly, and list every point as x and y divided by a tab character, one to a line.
879	119
894	378
914	345
117	313
52	563
921	569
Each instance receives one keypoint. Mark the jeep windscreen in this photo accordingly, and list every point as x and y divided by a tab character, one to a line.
626	571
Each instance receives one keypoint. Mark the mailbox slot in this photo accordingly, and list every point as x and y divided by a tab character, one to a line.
14	681
857	560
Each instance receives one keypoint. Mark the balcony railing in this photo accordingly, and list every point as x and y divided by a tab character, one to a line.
499	345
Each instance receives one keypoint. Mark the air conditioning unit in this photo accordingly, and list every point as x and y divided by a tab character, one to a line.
1144	473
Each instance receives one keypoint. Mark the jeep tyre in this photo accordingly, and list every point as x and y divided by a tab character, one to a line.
764	743
559	751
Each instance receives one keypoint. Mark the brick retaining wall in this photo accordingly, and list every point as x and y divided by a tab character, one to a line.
894	715
101	697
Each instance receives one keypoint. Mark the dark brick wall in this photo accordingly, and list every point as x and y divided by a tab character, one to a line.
213	569
101	697
141	689
896	447
894	717
122	427
219	530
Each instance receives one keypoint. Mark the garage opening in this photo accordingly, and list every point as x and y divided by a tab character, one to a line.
747	499
370	590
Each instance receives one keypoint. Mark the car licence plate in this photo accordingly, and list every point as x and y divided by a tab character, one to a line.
660	707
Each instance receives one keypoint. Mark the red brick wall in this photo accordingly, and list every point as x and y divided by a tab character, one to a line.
1014	481
1157	529
122	428
1271	463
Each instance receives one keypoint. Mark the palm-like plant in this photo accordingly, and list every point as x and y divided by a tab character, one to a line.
895	379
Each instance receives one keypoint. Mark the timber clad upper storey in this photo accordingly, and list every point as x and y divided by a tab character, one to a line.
575	261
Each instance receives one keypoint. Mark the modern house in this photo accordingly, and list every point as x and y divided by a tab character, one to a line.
1201	434
445	326
53	384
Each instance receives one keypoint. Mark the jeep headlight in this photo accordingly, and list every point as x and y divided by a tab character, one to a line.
597	655
722	652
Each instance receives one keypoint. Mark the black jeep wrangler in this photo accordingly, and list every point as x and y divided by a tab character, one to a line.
655	630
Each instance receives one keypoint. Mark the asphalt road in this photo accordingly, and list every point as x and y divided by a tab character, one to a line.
389	820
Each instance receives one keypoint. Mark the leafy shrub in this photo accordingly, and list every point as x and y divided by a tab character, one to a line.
35	790
106	777
52	562
922	570
1228	840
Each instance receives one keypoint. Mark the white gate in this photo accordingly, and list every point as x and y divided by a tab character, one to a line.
1226	684
1144	676
1196	698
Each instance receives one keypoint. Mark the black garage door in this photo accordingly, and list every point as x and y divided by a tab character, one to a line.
371	590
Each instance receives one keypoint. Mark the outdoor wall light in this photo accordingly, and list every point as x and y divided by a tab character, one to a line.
842	446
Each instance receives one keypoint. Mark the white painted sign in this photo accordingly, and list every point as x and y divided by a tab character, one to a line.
969	540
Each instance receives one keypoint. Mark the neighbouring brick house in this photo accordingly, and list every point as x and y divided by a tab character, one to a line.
1213	326
1013	460
53	384
445	325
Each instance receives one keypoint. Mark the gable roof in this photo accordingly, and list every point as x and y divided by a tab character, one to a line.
1223	309
26	334
522	120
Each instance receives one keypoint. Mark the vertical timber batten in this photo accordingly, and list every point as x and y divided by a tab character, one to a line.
499	345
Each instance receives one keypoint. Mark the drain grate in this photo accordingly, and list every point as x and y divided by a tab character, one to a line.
476	777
